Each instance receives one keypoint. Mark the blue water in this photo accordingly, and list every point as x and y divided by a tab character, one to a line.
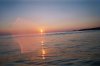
77	48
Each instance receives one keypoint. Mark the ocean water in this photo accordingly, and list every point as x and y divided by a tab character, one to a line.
77	48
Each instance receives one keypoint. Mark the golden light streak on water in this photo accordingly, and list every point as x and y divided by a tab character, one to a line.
43	52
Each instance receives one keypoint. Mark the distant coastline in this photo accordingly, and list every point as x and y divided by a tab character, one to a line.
96	28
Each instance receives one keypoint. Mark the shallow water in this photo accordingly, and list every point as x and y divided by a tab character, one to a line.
78	48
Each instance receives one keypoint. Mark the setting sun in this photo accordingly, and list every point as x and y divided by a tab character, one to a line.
41	30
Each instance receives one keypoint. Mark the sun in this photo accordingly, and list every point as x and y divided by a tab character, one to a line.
41	30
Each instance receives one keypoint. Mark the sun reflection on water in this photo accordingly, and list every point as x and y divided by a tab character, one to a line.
43	52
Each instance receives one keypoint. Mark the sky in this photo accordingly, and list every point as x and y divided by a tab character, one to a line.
29	16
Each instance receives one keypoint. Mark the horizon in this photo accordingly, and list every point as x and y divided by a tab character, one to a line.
43	31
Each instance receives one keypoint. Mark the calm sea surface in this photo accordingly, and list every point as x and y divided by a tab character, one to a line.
78	48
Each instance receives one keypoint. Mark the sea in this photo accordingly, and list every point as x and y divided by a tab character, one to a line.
75	48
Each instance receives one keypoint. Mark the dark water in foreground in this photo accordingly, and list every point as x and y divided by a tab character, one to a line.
64	49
